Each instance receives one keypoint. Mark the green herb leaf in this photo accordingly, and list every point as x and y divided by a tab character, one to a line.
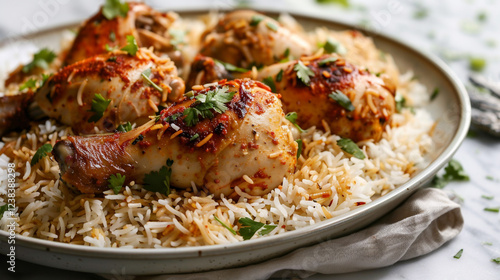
303	72
292	117
41	59
41	153
487	243
114	8
178	37
112	36
269	81
99	105
342	100
434	94
249	227
400	102
3	208
455	171
131	48
29	84
256	20
116	182
124	127
279	76
421	13
194	137
497	260
489	197
344	3
489	177
477	64
45	77
224	225
145	74
333	46
326	61
213	100
159	181
231	68
108	48
299	151
348	146
459	254
482	16
495	210
272	26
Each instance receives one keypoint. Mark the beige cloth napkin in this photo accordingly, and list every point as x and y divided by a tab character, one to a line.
420	225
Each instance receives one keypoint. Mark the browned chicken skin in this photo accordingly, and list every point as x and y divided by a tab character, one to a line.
373	103
245	38
248	145
148	26
67	95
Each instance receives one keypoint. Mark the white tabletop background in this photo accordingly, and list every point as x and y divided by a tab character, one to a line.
448	28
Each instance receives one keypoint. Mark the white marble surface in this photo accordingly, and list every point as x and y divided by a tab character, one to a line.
450	29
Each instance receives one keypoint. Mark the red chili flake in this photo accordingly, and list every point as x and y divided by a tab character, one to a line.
144	144
252	146
360	203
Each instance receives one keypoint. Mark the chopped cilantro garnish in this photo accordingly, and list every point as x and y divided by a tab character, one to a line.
116	182
159	181
477	64
489	177
173	117
41	59
292	117
114	8
400	102
124	127
231	68
459	254
487	243
256	20
333	46
421	13
453	171
111	59
45	77
342	100
41	153
194	137
303	72
178	37
108	48
29	84
497	260
348	146
299	151
482	16
145	74
272	26
99	105
489	197
131	47
249	227
112	36
327	60
344	3
279	76
213	100
224	225
3	208
489	209
434	94
269	81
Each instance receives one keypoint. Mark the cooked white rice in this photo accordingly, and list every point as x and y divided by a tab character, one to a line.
327	183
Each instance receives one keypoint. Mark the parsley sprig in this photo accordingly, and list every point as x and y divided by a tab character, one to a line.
342	100
348	146
41	59
299	150
99	105
159	181
145	74
269	81
126	127
226	226
116	182
41	153
131	48
3	208
292	117
249	227
29	84
333	46
213	100
114	8
231	68
453	172
303	72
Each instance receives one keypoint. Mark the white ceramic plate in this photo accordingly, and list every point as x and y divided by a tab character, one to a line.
451	109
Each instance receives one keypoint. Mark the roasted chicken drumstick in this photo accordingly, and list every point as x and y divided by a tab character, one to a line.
226	135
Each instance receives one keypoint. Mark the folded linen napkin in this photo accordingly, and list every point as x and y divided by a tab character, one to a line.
423	223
